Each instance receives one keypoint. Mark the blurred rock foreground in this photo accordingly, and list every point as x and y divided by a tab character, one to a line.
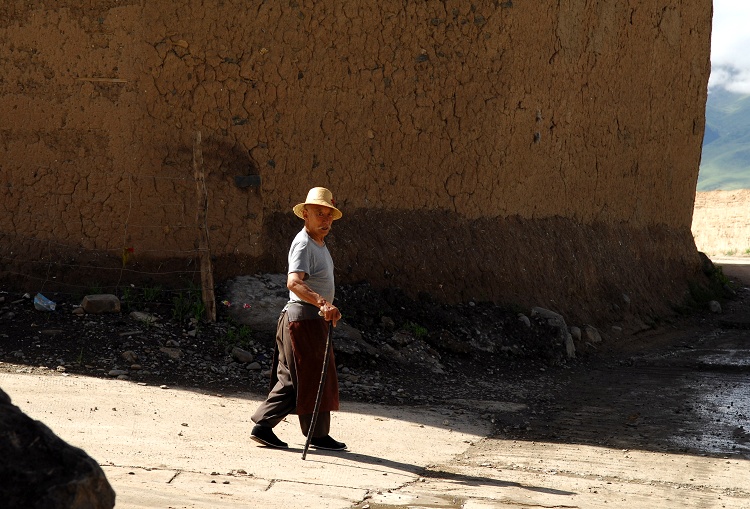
39	470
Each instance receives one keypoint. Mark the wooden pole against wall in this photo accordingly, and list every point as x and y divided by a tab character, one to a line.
204	251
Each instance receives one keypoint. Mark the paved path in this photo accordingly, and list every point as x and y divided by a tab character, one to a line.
172	448
737	267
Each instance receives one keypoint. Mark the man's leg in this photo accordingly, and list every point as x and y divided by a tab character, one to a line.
320	437
282	400
322	425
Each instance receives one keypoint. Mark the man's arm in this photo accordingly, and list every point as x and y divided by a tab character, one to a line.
295	282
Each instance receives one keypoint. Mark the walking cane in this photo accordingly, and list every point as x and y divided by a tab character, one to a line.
316	410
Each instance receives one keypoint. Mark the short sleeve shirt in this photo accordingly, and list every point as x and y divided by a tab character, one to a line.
305	255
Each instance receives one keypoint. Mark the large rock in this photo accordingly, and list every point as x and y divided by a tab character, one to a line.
40	470
256	301
100	304
556	320
348	340
241	355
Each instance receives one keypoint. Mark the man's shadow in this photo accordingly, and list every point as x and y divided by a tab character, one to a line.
426	472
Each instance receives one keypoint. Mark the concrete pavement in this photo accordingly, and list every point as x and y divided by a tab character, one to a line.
734	267
175	448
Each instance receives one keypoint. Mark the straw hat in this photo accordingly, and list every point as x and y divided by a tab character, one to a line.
318	196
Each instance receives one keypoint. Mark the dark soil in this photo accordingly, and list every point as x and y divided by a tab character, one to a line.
61	342
480	350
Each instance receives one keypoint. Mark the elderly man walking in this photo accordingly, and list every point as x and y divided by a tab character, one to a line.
302	331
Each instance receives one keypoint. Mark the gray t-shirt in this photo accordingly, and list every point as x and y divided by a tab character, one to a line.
316	262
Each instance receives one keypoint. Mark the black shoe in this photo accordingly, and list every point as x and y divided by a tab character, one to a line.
328	443
265	435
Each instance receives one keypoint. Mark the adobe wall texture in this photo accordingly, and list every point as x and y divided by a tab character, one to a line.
510	151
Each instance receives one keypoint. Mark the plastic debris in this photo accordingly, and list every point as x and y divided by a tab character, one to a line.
42	303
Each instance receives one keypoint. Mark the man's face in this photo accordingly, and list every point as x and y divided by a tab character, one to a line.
318	220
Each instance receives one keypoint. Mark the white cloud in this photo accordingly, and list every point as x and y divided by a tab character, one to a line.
730	44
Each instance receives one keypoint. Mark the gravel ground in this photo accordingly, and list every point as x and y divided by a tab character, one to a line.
462	351
414	352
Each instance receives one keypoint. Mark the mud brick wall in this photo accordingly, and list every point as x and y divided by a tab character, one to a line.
523	152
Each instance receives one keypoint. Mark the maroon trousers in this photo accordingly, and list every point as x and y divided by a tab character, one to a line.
298	359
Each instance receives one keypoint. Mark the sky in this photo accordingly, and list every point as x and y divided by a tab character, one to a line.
730	46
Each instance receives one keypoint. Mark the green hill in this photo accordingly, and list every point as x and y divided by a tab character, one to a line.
725	163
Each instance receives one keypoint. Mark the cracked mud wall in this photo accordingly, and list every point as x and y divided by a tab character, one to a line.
501	150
